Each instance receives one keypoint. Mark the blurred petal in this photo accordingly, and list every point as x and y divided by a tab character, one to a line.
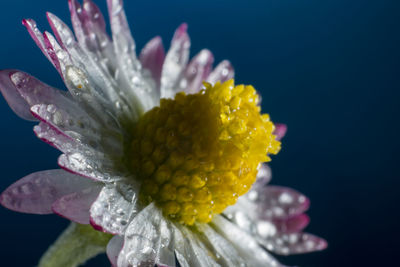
280	202
280	130
294	243
76	206
36	192
197	71
223	72
293	224
113	249
152	58
244	243
16	102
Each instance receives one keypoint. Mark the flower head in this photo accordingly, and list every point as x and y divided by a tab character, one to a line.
165	154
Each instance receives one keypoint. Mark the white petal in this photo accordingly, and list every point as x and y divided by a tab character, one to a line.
112	211
244	243
175	62
190	251
114	247
142	239
130	75
228	255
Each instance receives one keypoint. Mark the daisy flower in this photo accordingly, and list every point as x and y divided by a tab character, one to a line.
165	155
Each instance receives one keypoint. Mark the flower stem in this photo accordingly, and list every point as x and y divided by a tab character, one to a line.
77	244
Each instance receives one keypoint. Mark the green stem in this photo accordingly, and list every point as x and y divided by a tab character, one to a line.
77	244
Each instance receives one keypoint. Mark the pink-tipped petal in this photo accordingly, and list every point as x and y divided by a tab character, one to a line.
152	58
294	243
280	202
36	192
62	32
93	13
55	138
77	20
76	206
197	71
223	72
36	92
280	130
38	37
293	224
175	62
114	247
16	102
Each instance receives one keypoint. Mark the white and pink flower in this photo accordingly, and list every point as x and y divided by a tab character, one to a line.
108	88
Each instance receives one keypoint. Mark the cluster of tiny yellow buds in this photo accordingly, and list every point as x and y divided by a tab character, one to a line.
196	154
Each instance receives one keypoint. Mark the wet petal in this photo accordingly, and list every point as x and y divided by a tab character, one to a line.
40	41
16	102
197	71
280	202
95	168
111	212
190	251
55	138
244	243
175	62
223	72
294	243
229	256
36	192
142	239
76	206
152	58
130	75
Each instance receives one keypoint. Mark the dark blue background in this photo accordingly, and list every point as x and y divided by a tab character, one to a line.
329	69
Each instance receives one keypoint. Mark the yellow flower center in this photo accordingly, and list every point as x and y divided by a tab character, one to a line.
196	154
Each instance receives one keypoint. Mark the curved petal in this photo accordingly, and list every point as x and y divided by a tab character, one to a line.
152	58
111	212
95	167
229	256
197	71
280	130
280	202
36	192
244	243
128	64
190	251
175	62
114	247
13	97
294	243
223	72
142	239
293	224
76	206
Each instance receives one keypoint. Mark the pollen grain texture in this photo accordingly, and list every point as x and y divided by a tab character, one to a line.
197	153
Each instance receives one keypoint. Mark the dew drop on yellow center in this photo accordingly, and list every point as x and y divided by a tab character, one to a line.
196	154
